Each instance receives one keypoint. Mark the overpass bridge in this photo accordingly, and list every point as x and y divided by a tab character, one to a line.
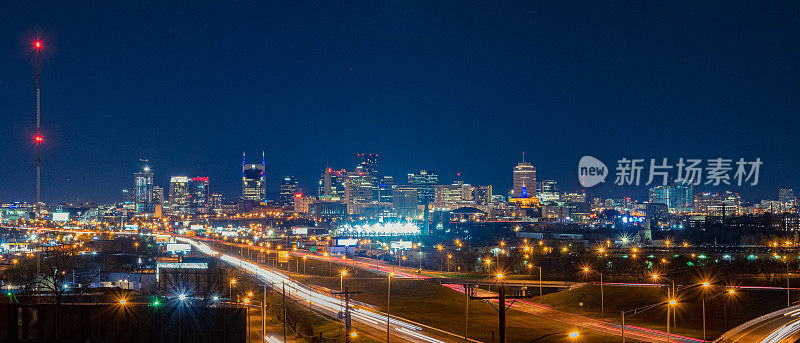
782	326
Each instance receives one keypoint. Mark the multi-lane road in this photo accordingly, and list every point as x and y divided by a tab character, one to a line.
323	301
544	313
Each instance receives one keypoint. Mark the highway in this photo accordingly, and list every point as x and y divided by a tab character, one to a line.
330	305
546	313
781	326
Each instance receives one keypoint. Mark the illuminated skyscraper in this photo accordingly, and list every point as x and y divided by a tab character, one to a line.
158	195
179	193
367	165
683	196
288	190
199	194
331	183
425	182
524	180
143	190
254	184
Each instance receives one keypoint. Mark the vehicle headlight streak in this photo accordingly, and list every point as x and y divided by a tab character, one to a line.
324	301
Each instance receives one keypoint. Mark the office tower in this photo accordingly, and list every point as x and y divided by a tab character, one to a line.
663	195
524	180
425	182
385	187
179	193
199	194
158	195
482	195
331	183
288	190
786	196
404	201
368	164
447	197
143	190
216	201
358	188
678	196
683	196
254	184
548	192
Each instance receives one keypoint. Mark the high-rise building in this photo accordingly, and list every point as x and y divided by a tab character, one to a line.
678	196
548	192
524	180
331	183
482	195
786	196
385	187
143	190
663	195
179	193
254	184
288	190
683	196
447	198
158	195
216	201
199	194
425	182
368	164
404	201
358	189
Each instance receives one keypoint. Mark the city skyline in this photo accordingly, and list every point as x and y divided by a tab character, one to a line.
182	93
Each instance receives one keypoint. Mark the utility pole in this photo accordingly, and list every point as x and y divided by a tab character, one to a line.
501	307
347	325
283	286
264	313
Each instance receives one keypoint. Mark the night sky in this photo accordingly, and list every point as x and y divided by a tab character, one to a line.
450	86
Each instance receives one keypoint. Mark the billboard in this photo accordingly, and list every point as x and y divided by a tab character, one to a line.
196	227
299	230
402	245
132	227
179	248
283	257
346	242
60	216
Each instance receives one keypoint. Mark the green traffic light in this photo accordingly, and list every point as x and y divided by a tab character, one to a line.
155	303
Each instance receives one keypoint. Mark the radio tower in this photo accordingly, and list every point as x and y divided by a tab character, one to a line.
38	139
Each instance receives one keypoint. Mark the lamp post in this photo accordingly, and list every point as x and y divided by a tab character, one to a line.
341	280
388	299
304	263
669	305
449	259
602	296
705	286
530	267
230	288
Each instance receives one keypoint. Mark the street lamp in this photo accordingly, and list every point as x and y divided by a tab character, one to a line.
230	288
449	258
670	304
388	298
703	292
341	280
602	295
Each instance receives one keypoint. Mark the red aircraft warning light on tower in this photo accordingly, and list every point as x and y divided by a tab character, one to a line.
38	138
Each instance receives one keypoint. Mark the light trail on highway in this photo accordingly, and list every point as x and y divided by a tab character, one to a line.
323	301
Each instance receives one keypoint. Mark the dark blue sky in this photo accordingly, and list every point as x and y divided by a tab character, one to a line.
452	86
